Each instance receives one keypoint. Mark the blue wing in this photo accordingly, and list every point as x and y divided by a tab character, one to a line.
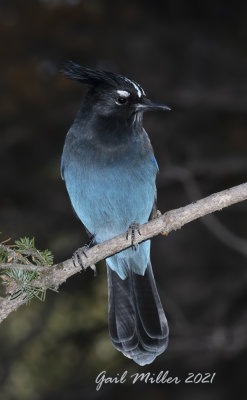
155	162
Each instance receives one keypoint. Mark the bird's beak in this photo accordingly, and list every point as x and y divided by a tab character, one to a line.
149	105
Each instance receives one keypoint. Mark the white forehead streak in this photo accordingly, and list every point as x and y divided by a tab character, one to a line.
139	90
123	93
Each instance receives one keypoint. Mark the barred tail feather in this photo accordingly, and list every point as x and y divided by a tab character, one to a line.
137	322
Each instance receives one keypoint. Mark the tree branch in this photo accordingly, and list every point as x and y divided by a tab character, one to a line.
169	221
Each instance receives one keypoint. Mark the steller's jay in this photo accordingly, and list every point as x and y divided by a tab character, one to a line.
109	169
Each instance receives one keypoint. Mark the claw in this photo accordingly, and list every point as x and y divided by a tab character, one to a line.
131	231
76	257
93	267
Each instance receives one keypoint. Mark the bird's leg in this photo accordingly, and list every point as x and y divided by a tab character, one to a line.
76	257
131	231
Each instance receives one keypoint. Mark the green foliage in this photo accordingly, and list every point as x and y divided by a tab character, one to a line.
19	281
3	255
26	246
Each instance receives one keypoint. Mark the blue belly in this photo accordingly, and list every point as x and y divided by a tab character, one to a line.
108	200
108	196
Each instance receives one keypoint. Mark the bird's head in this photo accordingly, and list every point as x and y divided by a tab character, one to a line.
112	95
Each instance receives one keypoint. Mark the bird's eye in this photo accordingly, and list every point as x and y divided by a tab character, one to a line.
122	100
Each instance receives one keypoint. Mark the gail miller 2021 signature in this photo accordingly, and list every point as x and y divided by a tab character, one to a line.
163	377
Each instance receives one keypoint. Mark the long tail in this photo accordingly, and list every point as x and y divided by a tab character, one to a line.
137	322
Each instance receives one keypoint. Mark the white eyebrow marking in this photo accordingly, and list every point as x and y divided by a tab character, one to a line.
138	88
123	93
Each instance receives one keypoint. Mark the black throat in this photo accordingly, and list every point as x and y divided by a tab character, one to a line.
113	131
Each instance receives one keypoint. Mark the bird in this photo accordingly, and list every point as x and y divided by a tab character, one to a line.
109	169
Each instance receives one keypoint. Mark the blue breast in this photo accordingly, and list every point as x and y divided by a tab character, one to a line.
110	191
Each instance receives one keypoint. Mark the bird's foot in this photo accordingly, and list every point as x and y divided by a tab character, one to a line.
77	256
131	232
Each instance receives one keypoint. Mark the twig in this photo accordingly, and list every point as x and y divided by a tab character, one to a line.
24	267
212	223
171	220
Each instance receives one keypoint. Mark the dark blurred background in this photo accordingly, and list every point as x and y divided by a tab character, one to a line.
191	56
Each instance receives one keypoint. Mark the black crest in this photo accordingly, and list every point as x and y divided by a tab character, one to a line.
89	76
95	77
